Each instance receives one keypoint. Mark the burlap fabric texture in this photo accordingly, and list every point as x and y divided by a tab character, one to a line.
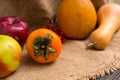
74	63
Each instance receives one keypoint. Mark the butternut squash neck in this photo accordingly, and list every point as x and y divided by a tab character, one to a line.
109	23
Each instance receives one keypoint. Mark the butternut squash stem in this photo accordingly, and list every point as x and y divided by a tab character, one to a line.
90	45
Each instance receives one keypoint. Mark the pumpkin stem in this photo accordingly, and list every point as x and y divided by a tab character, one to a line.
90	45
42	46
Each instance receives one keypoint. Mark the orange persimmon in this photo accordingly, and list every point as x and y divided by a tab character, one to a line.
43	45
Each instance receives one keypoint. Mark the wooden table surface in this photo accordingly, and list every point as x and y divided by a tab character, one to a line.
113	76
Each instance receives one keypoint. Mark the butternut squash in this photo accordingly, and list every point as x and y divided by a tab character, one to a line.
109	23
76	18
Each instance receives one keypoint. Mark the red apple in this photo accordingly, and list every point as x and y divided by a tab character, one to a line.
15	27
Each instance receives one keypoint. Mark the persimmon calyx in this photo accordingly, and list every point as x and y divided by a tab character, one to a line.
41	45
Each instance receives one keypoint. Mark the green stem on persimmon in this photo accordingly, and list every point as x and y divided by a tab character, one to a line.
42	46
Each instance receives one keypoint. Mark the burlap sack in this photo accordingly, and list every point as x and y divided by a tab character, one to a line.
33	11
74	63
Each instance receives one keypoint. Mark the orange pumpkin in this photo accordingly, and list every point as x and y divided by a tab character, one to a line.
76	18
